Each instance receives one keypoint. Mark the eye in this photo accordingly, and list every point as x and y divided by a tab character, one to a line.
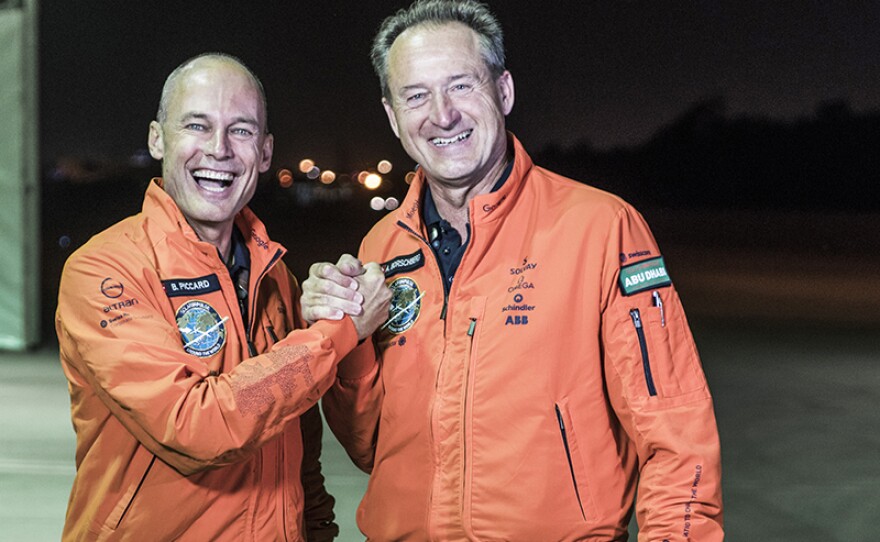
242	132
416	98
196	127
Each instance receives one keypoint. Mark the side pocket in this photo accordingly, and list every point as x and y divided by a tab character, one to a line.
125	502
577	471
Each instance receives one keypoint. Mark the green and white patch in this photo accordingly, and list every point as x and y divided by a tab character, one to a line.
644	275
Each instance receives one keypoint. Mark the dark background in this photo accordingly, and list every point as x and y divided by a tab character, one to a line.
746	132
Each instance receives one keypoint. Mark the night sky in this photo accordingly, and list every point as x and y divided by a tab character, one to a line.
607	72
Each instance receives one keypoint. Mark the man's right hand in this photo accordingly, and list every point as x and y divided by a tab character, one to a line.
348	287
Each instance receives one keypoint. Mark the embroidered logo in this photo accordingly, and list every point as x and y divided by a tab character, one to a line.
644	275
202	330
406	305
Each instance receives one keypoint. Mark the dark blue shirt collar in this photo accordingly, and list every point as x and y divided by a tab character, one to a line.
445	242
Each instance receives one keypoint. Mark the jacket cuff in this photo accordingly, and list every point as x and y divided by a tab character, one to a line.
359	362
341	332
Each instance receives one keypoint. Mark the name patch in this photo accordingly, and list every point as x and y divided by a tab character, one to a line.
644	275
404	264
191	287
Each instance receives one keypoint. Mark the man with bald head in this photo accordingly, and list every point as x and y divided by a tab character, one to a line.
191	372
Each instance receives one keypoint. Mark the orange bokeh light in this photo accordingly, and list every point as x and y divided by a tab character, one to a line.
306	164
285	178
328	176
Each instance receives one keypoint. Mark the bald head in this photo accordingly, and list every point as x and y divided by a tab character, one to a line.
203	61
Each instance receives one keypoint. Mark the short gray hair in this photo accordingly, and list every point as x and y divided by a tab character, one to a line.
171	84
475	15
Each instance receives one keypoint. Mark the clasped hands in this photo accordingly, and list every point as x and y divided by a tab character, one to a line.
347	287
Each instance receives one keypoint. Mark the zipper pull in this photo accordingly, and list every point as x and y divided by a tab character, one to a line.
636	318
472	327
659	304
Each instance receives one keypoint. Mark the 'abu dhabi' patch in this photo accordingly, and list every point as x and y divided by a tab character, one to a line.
405	304
644	275
202	330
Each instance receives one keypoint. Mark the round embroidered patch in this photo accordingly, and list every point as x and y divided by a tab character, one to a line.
405	304
202	330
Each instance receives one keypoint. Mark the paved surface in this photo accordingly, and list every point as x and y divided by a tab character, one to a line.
785	309
796	408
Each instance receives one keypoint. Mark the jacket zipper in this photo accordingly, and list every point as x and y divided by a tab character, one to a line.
428	246
570	464
279	479
467	376
250	326
643	346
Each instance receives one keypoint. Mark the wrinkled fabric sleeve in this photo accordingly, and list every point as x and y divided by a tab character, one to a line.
658	390
169	400
318	509
353	404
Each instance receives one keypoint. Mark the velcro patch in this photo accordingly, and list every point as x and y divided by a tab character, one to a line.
403	264
644	275
191	287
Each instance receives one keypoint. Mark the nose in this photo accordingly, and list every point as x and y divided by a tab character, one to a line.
218	145
444	114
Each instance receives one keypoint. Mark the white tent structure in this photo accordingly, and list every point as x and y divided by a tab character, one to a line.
19	177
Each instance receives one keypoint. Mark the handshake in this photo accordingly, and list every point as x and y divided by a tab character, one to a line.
348	287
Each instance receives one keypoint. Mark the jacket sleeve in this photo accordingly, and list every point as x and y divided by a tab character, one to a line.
318	508
353	404
170	401
658	390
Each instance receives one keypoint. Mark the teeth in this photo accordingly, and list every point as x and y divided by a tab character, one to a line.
442	141
212	187
213	175
213	181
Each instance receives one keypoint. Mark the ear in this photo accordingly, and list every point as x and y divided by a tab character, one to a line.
155	141
392	119
504	84
267	148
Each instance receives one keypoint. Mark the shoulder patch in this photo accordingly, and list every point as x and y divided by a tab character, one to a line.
202	330
191	287
644	275
403	264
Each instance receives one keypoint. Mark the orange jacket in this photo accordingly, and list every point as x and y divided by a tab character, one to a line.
179	435
557	377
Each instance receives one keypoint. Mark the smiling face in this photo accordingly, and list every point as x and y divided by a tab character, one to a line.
445	106
212	144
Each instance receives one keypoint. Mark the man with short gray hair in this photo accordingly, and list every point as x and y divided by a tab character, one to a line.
537	370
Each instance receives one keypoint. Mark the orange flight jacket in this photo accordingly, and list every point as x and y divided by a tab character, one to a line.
181	434
556	378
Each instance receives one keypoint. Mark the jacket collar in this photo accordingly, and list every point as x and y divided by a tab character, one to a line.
165	215
484	208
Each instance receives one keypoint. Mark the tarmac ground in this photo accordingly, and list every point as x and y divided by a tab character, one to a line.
784	309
